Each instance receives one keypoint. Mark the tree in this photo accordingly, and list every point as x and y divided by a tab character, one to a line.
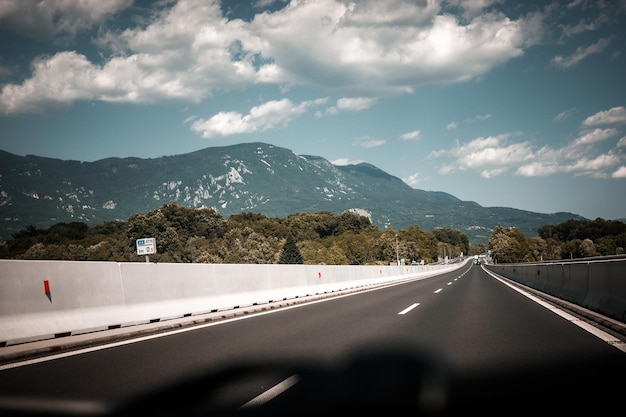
316	252
416	244
290	253
453	237
509	245
587	248
249	247
358	249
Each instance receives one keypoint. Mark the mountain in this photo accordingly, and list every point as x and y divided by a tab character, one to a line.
253	177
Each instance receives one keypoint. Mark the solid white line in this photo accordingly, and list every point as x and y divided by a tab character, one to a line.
608	338
439	290
272	392
409	308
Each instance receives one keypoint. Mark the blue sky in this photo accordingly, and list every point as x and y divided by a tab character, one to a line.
506	103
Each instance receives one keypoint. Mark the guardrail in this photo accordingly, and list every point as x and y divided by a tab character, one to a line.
46	299
598	284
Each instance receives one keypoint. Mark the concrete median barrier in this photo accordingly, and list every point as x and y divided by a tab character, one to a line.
47	299
599	285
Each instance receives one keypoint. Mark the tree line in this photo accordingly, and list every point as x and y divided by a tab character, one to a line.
567	240
191	235
187	235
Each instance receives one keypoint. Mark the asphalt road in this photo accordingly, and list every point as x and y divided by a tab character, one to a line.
458	342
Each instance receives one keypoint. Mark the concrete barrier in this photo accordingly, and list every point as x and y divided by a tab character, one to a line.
46	299
599	285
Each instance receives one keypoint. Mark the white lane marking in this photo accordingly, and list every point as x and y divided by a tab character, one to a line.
409	308
450	283
272	392
608	338
439	290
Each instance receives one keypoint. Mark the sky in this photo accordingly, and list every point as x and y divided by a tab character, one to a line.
516	104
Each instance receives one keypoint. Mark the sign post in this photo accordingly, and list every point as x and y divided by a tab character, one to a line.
146	246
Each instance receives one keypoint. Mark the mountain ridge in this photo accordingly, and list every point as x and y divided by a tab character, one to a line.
255	177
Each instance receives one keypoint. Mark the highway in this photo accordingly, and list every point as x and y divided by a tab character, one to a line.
486	346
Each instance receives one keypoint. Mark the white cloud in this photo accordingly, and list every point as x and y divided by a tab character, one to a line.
620	172
189	50
56	82
579	157
414	179
349	104
368	142
65	77
452	126
491	156
616	115
594	136
580	54
273	114
185	53
414	135
497	155
564	115
355	104
346	161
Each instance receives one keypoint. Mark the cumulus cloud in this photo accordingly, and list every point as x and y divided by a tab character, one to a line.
56	82
497	155
594	136
491	156
414	135
414	179
619	173
349	104
346	161
273	114
616	115
368	142
189	49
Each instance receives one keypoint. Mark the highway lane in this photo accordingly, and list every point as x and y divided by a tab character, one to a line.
478	329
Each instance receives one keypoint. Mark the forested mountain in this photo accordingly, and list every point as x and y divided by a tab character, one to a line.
251	177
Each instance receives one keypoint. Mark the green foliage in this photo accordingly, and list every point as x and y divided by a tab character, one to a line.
571	239
453	237
509	245
248	247
201	235
290	253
